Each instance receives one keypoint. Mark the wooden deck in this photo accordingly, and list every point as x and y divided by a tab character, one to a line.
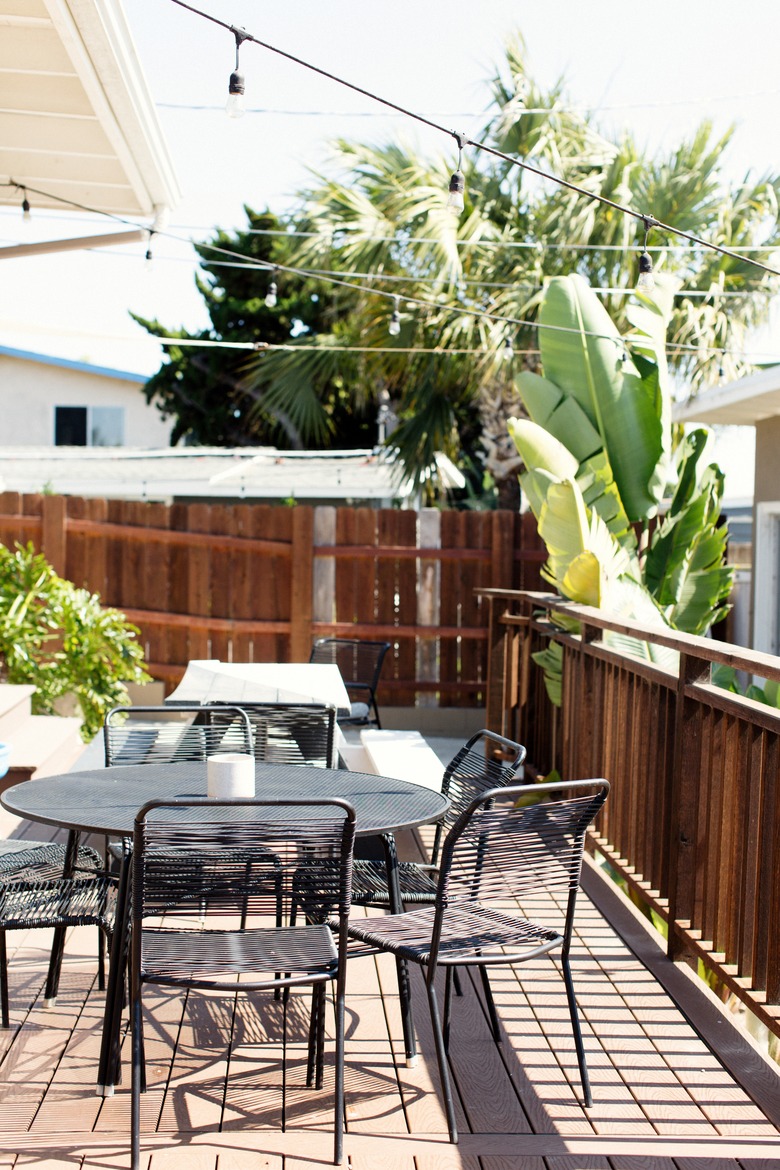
665	1098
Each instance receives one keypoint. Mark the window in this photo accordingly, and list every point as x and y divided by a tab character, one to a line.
89	426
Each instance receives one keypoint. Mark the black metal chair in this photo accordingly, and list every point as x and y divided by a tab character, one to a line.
360	665
291	733
172	734
45	885
508	880
191	857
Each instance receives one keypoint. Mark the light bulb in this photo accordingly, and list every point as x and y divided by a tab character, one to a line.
26	216
394	325
149	259
270	296
234	106
455	202
509	352
645	283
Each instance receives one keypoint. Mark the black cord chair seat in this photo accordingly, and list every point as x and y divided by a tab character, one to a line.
214	957
470	935
369	882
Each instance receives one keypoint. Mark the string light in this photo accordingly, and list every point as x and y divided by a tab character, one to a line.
234	106
673	350
509	352
455	200
271	296
646	281
394	326
26	216
483	146
149	257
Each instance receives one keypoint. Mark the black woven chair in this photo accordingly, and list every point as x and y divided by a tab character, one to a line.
508	880
360	665
485	761
191	857
46	885
172	734
291	733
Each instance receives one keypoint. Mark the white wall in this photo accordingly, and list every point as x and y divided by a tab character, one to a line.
30	390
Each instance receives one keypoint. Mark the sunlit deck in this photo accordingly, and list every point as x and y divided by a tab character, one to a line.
672	1087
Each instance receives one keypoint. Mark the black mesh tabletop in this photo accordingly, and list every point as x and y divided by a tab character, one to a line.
106	800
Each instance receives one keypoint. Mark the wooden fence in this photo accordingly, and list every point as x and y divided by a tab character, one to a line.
693	818
257	583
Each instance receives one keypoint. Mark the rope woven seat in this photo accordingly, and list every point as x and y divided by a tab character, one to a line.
198	923
34	893
506	893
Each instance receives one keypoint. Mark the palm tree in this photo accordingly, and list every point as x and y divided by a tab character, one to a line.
382	212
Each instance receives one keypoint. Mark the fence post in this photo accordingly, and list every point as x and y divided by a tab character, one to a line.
302	583
53	536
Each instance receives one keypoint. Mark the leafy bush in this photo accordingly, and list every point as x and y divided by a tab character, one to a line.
62	641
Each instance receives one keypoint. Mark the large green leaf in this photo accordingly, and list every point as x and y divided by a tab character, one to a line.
558	413
581	354
540	449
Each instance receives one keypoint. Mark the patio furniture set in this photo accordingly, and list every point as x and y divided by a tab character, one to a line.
255	894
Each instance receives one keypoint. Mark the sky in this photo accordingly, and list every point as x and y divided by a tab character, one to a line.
657	70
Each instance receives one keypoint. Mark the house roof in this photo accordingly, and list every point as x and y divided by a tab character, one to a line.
742	403
66	364
249	473
76	118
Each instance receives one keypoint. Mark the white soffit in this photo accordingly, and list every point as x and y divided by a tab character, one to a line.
742	403
76	117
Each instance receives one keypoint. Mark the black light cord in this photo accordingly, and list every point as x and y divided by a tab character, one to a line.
648	220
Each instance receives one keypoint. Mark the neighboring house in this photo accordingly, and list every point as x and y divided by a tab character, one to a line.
50	401
217	475
754	401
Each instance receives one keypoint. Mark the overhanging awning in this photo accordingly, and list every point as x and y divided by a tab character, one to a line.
76	118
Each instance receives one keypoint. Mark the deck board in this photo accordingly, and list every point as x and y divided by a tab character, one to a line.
221	1079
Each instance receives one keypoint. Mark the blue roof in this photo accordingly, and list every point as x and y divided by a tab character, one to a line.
84	367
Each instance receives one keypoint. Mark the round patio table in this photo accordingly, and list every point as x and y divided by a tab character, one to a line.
106	801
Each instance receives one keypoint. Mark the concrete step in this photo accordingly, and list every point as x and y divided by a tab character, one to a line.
14	708
43	746
404	755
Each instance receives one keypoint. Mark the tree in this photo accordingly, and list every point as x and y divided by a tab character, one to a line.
203	387
383	212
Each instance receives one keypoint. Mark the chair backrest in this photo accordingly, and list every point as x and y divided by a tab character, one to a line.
175	734
487	760
196	858
520	845
292	733
359	663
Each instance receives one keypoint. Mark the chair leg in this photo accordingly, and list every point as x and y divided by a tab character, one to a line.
491	1005
402	967
135	1085
55	966
447	1006
441	1057
4	982
338	1108
313	1025
320	1078
577	1030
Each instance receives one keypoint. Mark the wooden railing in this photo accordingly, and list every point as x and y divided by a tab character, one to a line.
257	583
693	818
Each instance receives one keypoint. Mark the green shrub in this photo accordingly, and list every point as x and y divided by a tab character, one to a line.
62	641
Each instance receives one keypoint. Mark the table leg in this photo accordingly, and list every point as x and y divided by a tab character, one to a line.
110	1068
402	967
